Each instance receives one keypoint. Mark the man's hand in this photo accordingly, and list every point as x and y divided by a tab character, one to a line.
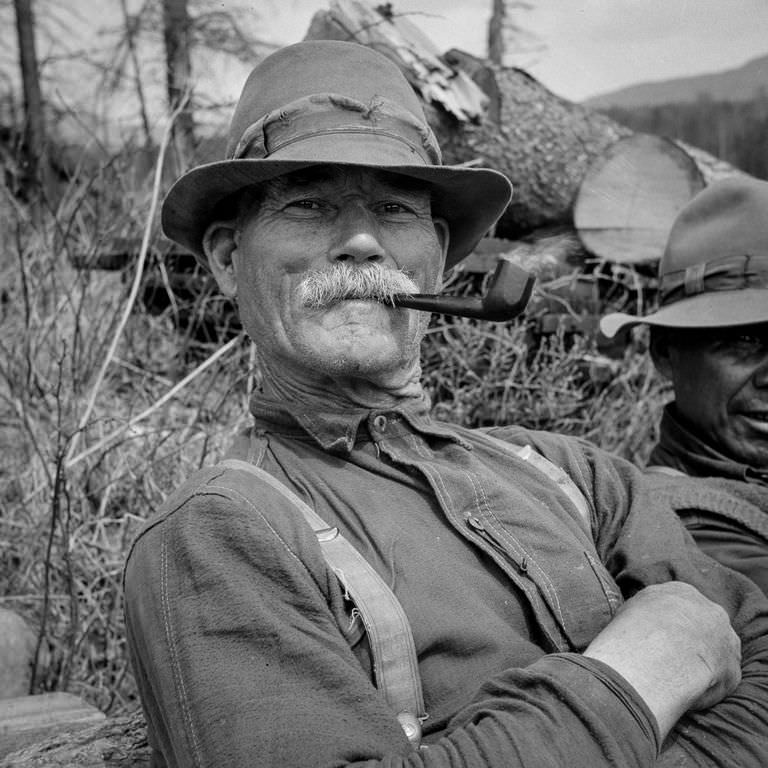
675	647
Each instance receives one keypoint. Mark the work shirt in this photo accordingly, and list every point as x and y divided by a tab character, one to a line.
724	504
239	631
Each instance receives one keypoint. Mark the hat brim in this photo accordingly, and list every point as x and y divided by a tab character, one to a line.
719	309
471	200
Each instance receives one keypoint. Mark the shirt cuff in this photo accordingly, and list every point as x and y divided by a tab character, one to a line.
570	669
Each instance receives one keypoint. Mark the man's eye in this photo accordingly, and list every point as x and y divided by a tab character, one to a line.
305	205
395	208
748	341
743	343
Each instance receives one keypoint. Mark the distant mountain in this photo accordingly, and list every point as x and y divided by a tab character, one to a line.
741	84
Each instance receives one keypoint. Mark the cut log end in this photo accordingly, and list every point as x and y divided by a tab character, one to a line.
629	198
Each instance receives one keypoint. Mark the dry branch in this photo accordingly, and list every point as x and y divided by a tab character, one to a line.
143	251
393	34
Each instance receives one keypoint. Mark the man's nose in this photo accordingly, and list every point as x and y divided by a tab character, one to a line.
357	237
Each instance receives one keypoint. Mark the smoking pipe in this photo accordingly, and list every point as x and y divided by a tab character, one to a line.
509	291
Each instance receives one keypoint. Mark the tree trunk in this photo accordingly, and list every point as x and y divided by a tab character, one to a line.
492	116
496	39
509	43
131	28
542	142
37	169
177	27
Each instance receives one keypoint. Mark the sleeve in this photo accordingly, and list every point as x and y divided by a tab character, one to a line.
641	541
233	628
730	543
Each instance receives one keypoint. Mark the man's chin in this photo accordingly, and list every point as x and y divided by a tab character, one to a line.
359	353
360	338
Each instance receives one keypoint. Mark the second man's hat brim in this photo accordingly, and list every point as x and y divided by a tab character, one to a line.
719	309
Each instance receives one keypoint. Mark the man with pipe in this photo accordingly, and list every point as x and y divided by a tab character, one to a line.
709	337
359	584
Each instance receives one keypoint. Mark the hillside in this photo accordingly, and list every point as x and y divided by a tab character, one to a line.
735	85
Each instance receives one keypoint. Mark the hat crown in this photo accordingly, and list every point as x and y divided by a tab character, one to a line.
728	219
317	67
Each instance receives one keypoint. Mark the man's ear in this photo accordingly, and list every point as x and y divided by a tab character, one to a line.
219	243
660	352
443	235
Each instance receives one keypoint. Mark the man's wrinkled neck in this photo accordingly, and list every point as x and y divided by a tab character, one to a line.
330	393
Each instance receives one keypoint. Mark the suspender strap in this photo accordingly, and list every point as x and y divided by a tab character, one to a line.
563	481
554	473
658	469
389	633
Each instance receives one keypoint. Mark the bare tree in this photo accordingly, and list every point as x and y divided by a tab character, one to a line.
131	31
177	30
34	118
509	43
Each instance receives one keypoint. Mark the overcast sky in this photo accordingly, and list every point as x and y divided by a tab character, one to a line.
590	46
585	47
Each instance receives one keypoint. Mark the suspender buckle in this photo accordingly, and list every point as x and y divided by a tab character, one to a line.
411	726
326	534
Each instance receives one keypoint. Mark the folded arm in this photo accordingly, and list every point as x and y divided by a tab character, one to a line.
642	542
234	628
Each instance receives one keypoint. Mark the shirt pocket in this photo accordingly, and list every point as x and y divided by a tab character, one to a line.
570	581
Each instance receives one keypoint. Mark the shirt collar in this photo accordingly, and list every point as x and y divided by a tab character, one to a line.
338	431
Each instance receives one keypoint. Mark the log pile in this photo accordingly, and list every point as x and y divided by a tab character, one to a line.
503	118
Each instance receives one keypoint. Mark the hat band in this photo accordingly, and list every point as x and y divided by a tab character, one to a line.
332	114
731	273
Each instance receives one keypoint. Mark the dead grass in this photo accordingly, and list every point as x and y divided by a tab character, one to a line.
90	441
484	375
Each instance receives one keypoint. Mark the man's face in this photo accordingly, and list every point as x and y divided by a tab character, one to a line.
319	226
720	378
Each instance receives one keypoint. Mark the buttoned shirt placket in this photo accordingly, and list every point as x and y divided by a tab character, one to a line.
461	496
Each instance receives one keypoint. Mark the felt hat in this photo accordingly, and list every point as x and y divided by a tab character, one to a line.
714	271
322	102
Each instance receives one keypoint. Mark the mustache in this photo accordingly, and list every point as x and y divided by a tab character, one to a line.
324	287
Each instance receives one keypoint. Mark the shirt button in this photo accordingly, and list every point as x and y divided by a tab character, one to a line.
380	423
475	523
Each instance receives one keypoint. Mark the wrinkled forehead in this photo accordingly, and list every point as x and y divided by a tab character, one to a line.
329	180
346	176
